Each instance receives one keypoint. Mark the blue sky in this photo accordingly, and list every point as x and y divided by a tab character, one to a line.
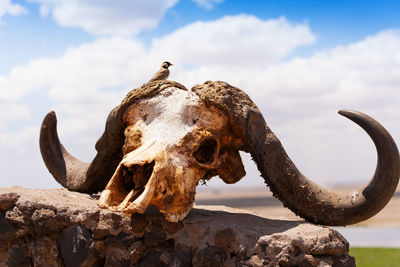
300	61
334	22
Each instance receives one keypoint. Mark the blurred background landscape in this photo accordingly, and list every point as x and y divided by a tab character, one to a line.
261	202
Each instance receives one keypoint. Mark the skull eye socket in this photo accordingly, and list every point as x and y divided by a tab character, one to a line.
205	154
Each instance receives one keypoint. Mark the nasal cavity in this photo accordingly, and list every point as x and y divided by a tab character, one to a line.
136	176
206	152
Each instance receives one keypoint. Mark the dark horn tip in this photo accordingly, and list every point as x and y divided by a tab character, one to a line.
370	125
50	118
348	113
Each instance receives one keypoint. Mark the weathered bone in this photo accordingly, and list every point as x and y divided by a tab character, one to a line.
163	139
181	136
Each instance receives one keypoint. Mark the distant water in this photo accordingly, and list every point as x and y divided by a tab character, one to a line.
371	237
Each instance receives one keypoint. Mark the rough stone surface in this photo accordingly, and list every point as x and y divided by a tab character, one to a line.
57	227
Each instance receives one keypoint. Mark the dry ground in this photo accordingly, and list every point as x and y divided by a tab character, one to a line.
263	203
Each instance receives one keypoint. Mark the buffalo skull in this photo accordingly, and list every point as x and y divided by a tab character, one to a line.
163	139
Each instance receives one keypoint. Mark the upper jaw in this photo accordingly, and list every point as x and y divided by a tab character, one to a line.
124	196
130	189
142	178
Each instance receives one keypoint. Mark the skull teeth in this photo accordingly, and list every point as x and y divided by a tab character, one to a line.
128	189
129	198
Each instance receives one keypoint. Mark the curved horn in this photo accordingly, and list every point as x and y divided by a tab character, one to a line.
92	178
60	163
65	168
305	198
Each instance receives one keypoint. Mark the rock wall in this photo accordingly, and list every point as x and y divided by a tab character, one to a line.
61	228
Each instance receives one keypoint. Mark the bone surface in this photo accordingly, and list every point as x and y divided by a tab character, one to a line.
171	142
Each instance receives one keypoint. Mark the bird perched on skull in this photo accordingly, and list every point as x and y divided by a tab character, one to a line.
162	73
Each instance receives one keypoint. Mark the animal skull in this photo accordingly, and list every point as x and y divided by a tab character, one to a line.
171	142
162	139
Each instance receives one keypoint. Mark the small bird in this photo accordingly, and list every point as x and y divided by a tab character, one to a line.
162	73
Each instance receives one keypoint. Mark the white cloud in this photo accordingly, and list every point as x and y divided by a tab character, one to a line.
364	74
241	40
82	86
298	97
7	7
10	112
207	4
103	17
16	139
